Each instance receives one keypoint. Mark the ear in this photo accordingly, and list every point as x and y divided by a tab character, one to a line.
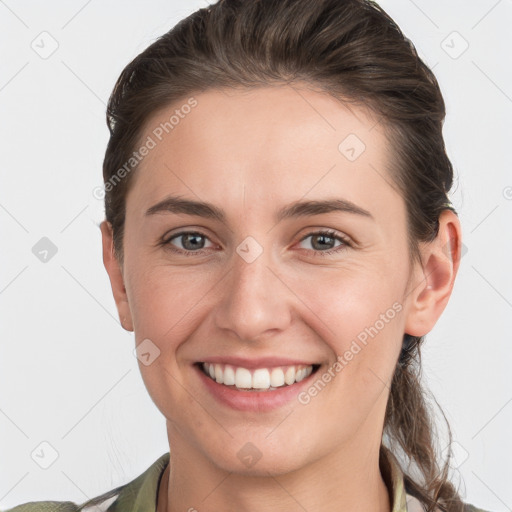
433	280
115	274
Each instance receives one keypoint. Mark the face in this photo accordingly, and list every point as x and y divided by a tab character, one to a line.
296	270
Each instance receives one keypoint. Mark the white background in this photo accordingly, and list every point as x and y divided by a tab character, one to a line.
67	372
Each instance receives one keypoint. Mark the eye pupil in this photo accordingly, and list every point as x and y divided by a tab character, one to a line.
188	239
322	237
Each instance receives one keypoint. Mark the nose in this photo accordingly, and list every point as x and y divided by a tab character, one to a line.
255	303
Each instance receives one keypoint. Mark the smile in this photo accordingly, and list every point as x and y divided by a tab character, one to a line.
260	379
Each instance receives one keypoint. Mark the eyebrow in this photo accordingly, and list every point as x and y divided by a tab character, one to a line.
176	204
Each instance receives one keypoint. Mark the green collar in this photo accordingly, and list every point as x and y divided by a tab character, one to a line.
140	495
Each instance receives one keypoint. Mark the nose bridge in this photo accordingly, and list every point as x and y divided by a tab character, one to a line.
253	299
252	276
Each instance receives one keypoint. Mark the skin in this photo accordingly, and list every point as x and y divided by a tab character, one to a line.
250	152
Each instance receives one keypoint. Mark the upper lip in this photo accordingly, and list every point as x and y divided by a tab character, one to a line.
258	362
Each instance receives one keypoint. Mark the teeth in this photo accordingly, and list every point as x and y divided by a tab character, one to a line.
243	377
289	376
277	378
261	378
229	376
219	375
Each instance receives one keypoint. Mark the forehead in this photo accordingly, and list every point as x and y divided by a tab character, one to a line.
257	146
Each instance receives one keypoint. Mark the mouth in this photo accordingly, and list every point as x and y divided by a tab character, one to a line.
265	379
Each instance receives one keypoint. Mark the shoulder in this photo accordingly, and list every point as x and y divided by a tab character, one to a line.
139	494
45	506
414	505
471	508
98	504
68	506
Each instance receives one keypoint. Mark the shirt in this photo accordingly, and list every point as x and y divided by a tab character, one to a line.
140	495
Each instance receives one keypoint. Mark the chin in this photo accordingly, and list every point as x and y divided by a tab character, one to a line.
253	455
269	465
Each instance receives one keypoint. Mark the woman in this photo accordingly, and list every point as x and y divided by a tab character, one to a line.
279	238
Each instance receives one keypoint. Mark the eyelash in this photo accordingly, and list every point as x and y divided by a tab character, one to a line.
329	233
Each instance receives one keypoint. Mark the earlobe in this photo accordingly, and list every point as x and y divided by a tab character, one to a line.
115	274
434	279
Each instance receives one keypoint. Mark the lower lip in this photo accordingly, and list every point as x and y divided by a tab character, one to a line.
255	401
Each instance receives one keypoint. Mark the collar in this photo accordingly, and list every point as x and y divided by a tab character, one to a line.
140	494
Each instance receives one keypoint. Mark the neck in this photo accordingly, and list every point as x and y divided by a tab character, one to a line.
347	480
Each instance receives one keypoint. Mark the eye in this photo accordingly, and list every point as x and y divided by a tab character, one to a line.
190	241
323	242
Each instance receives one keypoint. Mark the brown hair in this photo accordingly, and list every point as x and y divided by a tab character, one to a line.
352	50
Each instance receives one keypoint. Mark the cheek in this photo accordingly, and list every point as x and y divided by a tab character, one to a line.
358	314
164	300
345	303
